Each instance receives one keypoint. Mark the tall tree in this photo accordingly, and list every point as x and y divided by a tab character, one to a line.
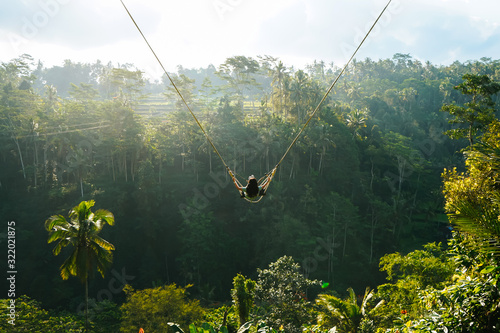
243	295
281	289
478	112
299	92
280	76
125	85
89	249
472	197
356	121
239	72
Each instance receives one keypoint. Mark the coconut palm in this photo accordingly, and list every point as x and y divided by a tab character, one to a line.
89	249
356	120
346	315
280	75
299	92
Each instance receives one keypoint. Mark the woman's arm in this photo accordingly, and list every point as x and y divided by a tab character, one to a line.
240	188
235	181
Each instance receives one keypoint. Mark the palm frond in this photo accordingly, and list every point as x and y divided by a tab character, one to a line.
368	295
68	268
82	211
90	251
104	216
58	234
476	219
103	243
55	221
480	222
59	246
104	263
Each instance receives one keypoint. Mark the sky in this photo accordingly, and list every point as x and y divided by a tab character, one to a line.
197	33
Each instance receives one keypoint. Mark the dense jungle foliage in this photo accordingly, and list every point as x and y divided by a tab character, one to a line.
353	232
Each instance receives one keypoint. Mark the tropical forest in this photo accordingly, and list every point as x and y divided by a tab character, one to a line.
121	210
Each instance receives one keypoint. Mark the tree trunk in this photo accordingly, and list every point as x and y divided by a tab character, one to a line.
310	161
159	170
401	169
182	158
372	234
34	174
469	136
113	167
345	240
20	155
372	176
86	304
132	168
210	158
323	152
330	256
16	141
45	171
35	161
125	166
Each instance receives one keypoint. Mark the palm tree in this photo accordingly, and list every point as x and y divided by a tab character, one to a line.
279	75
346	315
356	120
89	250
354	92
299	92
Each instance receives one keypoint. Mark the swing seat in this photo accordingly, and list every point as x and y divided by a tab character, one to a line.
253	199
243	195
264	181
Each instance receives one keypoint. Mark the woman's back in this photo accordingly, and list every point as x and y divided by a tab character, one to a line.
252	189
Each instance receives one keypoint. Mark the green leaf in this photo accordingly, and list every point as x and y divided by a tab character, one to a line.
192	328
245	327
488	269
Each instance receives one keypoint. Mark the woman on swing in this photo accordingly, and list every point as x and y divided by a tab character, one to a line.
253	189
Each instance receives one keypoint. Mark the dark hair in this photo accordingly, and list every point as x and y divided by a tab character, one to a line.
252	188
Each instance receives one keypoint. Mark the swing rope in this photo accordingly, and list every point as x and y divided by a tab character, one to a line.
175	87
331	87
269	175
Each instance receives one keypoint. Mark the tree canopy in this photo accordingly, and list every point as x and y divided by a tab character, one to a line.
362	182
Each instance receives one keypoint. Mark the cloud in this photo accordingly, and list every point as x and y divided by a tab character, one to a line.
75	24
314	31
443	34
196	33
